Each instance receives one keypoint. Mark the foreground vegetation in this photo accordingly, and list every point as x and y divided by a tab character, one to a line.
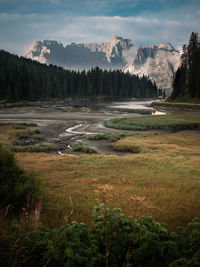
114	240
160	180
167	122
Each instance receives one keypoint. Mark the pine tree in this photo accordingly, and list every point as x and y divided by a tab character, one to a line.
186	80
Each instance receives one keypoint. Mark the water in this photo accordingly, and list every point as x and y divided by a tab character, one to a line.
136	106
132	104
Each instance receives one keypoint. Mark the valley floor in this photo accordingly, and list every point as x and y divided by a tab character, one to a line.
162	180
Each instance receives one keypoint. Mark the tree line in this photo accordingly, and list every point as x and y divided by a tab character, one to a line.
24	79
187	78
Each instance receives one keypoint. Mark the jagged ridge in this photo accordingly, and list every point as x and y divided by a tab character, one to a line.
157	62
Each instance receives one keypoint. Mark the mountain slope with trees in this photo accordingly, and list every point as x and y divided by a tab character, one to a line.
186	83
24	79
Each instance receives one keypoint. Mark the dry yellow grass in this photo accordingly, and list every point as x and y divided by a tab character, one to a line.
163	180
8	134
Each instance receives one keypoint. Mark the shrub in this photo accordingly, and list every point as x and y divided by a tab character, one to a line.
114	240
15	184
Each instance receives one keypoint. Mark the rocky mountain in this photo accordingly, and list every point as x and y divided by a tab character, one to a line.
157	62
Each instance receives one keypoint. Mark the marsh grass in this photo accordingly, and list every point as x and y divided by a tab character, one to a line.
111	137
177	105
162	180
24	140
166	122
41	147
82	147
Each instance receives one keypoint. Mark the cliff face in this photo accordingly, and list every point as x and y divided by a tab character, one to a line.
80	56
157	62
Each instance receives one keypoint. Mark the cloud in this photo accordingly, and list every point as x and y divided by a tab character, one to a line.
19	30
130	54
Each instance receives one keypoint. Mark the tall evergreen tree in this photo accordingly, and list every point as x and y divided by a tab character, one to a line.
187	77
24	79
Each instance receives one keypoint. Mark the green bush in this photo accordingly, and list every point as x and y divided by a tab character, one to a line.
15	184
114	240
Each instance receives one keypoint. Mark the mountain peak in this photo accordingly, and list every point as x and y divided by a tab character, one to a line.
166	46
115	37
157	62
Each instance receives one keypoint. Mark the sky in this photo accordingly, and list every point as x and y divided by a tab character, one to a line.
146	22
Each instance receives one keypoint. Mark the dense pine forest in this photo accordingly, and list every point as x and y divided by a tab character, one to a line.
187	78
24	79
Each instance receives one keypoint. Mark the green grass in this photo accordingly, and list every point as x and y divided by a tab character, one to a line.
41	147
28	137
179	105
28	140
166	122
162	180
82	147
111	137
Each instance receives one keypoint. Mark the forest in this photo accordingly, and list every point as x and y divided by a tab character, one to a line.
24	79
187	78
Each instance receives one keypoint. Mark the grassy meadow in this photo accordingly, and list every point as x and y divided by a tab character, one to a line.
163	180
165	122
159	177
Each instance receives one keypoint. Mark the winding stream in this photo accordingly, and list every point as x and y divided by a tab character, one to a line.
135	106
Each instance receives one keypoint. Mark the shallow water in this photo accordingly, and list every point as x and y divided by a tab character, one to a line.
132	104
137	106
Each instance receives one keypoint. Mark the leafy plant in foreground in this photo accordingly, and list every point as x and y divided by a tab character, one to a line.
114	240
15	184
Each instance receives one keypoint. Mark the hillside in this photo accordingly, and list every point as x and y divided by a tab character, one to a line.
24	79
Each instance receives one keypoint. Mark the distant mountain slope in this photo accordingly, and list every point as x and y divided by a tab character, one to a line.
80	56
157	62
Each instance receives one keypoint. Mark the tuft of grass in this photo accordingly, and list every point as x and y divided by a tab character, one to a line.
41	147
166	122
111	137
82	147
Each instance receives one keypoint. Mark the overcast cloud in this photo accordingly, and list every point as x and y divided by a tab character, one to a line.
147	22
